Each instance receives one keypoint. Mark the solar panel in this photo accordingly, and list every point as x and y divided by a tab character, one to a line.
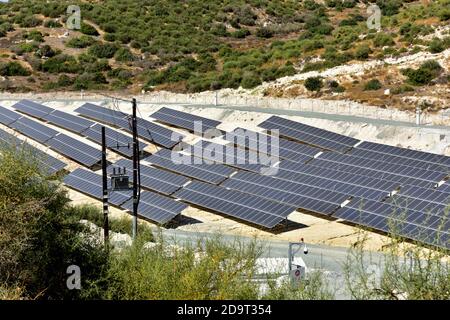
75	150
190	166
265	143
236	157
146	129
406	153
48	164
288	192
429	207
91	184
374	155
401	170
292	171
247	207
33	129
156	207
402	180
184	120
32	108
155	179
7	116
68	121
311	135
404	222
115	140
432	195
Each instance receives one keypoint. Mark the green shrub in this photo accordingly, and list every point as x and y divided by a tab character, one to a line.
88	81
402	89
362	52
61	63
436	46
313	84
373	84
250	80
88	29
264	33
33	35
123	54
30	22
444	14
13	69
103	50
81	42
428	71
52	24
382	39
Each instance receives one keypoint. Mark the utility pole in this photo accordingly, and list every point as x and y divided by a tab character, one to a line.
135	169
105	190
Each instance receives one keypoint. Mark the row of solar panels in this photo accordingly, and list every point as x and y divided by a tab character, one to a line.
153	206
48	164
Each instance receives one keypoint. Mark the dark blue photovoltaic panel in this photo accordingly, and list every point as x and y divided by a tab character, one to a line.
46	163
7	116
292	171
156	207
146	129
68	121
373	155
115	140
90	183
184	120
162	181
406	153
432	195
264	143
32	108
311	135
407	223
420	205
33	129
287	192
402	180
190	166
401	170
75	150
236	157
445	187
244	206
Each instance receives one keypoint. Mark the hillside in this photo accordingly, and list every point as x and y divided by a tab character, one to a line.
194	46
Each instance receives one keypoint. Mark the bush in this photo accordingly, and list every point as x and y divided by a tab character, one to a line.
264	33
81	42
103	50
250	80
436	46
52	24
428	71
88	29
61	63
373	84
362	52
87	81
13	69
313	84
444	14
30	22
123	54
382	40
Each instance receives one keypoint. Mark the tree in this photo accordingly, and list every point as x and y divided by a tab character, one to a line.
313	84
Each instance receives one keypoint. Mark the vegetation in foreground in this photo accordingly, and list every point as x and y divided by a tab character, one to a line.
41	235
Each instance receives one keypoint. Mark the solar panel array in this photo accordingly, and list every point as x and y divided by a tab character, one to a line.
247	207
292	193
190	166
48	164
7	116
236	157
33	130
184	120
146	129
311	135
156	207
155	179
31	108
152	206
271	144
68	121
76	150
115	140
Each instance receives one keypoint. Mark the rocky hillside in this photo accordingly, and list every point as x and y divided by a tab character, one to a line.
277	48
